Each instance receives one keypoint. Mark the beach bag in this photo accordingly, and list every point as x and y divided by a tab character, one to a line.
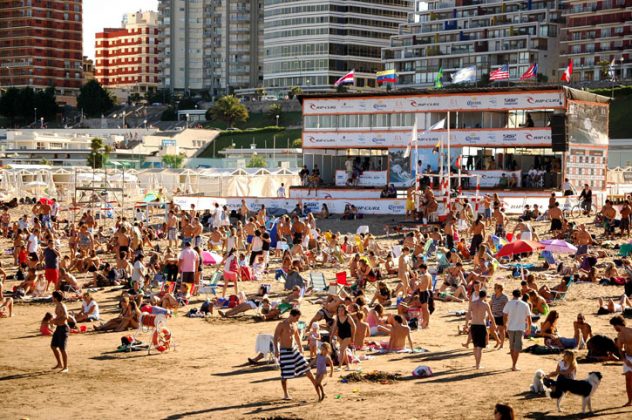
413	324
431	304
422	372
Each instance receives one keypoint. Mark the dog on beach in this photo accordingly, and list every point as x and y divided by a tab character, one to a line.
584	388
537	387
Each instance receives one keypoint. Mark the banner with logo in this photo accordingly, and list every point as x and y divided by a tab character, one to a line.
435	103
491	179
521	137
367	179
347	193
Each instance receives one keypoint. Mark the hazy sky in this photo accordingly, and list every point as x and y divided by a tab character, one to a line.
99	14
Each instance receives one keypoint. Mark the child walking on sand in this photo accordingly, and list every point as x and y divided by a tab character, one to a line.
314	337
322	361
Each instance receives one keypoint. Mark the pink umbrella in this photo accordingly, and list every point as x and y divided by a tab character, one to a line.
211	258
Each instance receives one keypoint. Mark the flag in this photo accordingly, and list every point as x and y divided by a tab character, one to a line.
531	72
468	74
566	76
611	70
386	76
413	138
438	82
347	79
501	73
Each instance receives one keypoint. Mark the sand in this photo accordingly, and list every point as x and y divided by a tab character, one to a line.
207	375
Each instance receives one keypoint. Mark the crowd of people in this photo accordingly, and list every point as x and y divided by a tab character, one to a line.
386	290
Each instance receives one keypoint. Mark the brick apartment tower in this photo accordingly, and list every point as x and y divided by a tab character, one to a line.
41	45
127	57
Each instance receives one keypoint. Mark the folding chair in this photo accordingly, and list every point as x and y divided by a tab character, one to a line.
318	281
561	296
212	285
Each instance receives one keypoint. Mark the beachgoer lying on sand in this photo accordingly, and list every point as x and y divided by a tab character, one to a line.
450	294
611	307
550	294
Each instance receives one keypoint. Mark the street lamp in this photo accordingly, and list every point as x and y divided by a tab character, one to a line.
41	122
35	121
145	122
188	116
621	66
277	120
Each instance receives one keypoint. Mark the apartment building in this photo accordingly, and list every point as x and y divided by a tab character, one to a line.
127	57
311	43
211	46
41	45
454	34
596	34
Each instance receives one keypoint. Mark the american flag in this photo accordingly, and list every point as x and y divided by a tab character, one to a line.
501	73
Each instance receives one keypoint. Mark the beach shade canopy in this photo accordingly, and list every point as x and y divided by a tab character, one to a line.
211	258
558	246
519	247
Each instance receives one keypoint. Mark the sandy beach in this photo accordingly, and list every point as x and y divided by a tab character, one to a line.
207	376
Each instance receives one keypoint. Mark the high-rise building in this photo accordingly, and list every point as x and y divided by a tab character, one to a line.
41	45
312	44
454	34
211	46
127	57
596	34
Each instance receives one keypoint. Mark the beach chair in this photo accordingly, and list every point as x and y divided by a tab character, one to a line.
429	248
265	345
317	281
561	296
211	287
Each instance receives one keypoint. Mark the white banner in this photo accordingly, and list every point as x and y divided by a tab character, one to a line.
491	179
521	137
336	193
367	179
335	205
434	103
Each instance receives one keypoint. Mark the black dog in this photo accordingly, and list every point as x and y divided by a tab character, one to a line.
584	388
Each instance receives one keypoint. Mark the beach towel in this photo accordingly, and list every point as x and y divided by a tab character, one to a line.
292	363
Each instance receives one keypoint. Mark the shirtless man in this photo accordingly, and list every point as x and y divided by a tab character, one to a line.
583	241
423	286
501	220
45	211
89	221
487	206
122	240
403	264
287	349
243	210
400	331
624	341
609	214
249	229
478	233
448	230
556	218
525	231
5	221
298	230
478	313
172	228
196	232
187	232
261	215
60	336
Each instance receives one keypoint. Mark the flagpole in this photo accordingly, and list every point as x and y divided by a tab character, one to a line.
449	162
416	168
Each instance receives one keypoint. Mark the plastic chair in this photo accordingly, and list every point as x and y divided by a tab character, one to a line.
318	281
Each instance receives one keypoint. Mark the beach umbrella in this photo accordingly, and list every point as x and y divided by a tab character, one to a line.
558	246
519	247
211	258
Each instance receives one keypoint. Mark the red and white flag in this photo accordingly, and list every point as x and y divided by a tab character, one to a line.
531	72
347	79
566	76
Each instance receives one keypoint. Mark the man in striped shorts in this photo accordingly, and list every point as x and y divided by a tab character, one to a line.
287	342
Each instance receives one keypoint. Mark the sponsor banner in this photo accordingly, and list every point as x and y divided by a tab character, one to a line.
367	179
530	137
491	179
335	205
434	103
338	193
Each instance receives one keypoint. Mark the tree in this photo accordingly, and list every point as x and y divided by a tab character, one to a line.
259	92
173	161
228	109
295	91
186	103
273	111
94	100
99	153
18	105
257	161
161	96
604	66
169	114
